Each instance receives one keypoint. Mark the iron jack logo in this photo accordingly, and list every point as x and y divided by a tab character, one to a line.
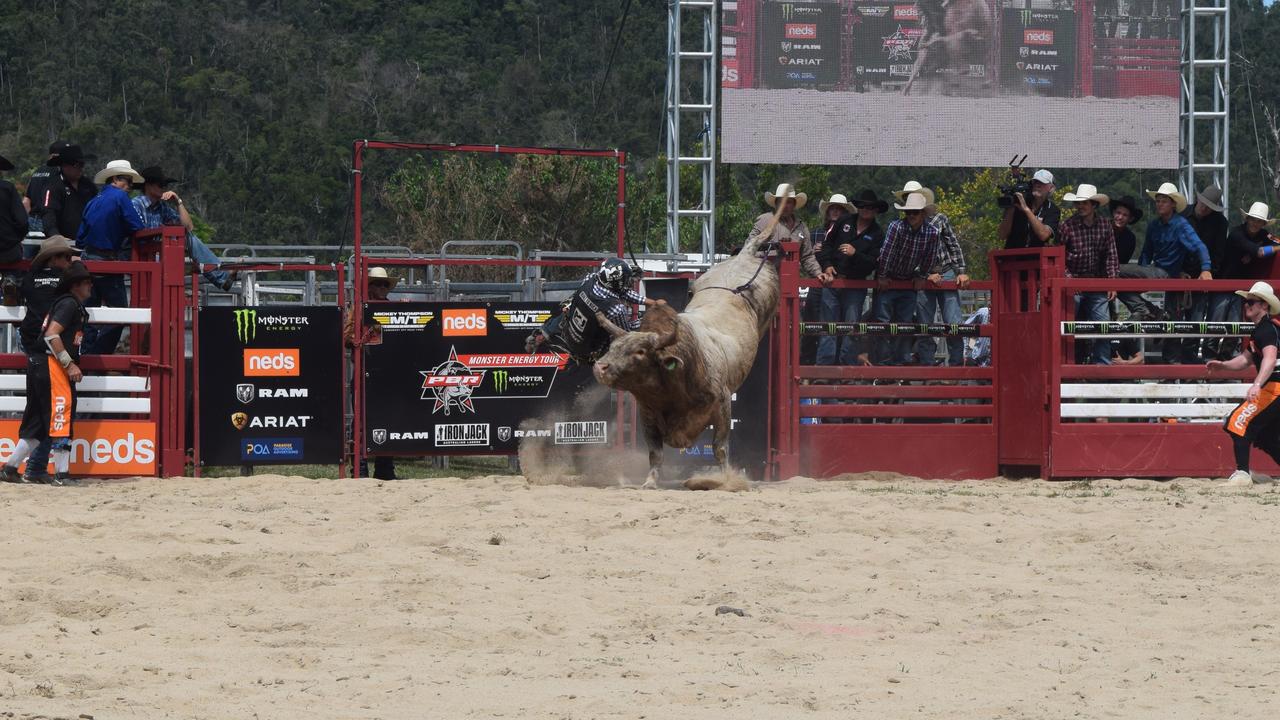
246	325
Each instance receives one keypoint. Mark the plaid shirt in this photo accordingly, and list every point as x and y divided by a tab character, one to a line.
619	313
1091	249
950	255
157	214
907	253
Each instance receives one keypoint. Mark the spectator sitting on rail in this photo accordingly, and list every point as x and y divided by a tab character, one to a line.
379	285
66	194
909	253
1170	239
110	219
1033	222
850	250
1091	253
1125	212
154	209
1254	421
1246	243
1206	218
950	266
789	227
13	218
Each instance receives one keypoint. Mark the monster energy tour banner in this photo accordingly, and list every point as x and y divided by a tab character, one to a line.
1195	329
269	385
936	329
453	378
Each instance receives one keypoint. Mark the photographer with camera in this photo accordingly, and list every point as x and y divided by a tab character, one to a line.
1030	215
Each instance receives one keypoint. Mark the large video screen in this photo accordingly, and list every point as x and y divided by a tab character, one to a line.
951	82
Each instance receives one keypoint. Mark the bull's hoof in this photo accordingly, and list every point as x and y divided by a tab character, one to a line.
650	483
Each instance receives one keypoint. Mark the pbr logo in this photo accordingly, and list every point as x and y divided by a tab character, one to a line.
239	420
379	436
451	384
504	433
244	393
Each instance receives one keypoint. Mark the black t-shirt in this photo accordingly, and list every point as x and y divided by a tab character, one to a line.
65	210
1126	245
1264	333
37	186
1020	235
1212	230
39	289
866	246
71	315
1239	252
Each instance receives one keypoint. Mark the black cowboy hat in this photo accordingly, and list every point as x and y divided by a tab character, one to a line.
1129	204
63	153
155	174
5	164
867	198
75	273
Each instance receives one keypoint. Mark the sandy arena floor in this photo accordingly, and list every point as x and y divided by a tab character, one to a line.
282	597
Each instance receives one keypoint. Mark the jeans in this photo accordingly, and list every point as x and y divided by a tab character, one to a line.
1224	307
201	253
1093	306
1140	309
927	302
897	306
108	291
840	305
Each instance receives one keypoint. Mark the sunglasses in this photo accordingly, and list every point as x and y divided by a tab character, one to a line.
380	284
912	212
1251	301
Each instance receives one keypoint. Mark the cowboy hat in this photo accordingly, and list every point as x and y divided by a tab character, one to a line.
914	187
1212	197
155	174
5	164
915	201
1262	291
838	200
867	198
377	273
1259	211
116	168
1087	192
1128	203
1171	190
65	153
785	190
50	246
75	273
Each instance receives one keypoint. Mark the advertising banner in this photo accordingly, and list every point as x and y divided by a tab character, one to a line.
1038	51
800	44
270	385
886	41
453	379
100	447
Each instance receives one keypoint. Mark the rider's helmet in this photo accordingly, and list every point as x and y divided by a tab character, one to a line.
615	274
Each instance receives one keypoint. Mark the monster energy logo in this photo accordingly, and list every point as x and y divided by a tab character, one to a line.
788	11
500	378
246	325
1026	17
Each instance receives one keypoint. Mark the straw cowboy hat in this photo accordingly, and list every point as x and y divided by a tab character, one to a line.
1259	211
837	200
784	191
116	168
1262	291
50	246
1211	196
915	201
377	273
1128	203
914	187
1087	192
1179	200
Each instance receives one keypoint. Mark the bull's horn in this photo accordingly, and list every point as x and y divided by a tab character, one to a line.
614	330
667	339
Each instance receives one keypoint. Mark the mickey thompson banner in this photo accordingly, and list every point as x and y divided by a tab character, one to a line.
453	379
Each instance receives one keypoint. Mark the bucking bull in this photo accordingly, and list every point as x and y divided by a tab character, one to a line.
683	368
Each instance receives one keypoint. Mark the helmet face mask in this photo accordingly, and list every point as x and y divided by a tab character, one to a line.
615	274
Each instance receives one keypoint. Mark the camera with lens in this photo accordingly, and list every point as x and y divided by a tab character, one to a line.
1015	182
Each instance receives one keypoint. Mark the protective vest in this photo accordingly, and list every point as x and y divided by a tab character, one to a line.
582	333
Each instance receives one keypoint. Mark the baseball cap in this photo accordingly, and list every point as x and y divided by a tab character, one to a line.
1043	176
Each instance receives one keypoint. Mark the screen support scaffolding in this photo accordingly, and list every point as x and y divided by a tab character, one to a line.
697	149
1206	84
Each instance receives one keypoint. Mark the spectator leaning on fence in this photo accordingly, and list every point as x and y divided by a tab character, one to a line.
13	218
110	219
849	252
154	207
1124	213
1091	253
1206	218
1254	421
67	194
380	285
1170	239
909	254
950	266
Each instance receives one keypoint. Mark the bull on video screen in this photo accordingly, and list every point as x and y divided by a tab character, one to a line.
950	82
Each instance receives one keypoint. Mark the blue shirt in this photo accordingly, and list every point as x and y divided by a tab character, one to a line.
109	220
1169	243
157	214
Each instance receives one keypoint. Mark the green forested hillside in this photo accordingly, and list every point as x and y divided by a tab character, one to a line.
255	104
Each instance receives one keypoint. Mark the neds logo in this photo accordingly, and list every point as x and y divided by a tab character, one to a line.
272	362
465	321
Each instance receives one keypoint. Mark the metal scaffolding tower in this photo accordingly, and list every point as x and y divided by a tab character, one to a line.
1206	83
701	107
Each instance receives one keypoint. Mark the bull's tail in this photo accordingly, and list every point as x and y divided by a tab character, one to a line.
755	241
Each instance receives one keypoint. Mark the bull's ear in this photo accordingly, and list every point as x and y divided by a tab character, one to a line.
672	363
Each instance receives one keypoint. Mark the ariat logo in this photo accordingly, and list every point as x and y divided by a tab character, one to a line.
246	325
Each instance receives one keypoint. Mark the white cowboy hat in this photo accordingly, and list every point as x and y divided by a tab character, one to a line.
1179	200
915	201
1262	291
1259	211
1087	192
838	200
377	273
914	187
785	190
116	168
